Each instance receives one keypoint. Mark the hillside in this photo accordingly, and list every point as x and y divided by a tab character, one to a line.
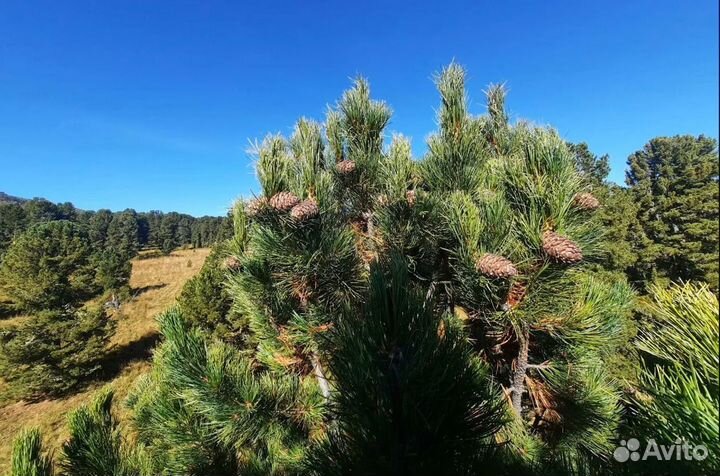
156	283
5	198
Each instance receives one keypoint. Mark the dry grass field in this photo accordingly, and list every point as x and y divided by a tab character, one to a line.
156	283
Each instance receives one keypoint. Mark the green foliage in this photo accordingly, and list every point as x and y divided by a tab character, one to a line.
27	457
674	181
208	409
95	446
125	231
12	223
122	234
54	352
459	314
410	395
593	169
204	300
486	186
48	266
98	224
678	396
112	269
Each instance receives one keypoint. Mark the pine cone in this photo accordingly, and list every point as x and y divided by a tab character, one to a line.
256	206
497	267
231	263
586	201
305	210
381	200
283	201
515	295
346	167
411	197
561	249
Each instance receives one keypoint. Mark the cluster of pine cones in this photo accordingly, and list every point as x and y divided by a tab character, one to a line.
558	248
284	202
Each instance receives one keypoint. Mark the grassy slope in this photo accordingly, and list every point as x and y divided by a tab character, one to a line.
156	283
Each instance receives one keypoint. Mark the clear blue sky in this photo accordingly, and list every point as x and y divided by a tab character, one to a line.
150	104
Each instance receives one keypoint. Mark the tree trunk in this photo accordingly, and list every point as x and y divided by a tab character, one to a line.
521	363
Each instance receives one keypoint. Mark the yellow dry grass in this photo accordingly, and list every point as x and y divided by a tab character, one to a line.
156	283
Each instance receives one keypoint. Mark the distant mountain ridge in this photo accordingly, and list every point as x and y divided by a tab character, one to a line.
5	198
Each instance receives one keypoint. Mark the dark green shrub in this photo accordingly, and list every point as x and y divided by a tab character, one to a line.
54	351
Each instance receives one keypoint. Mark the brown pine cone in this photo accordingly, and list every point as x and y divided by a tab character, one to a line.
256	206
231	263
497	267
586	201
305	210
346	167
283	201
411	197
561	249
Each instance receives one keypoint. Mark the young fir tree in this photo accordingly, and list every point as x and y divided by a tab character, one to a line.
402	317
674	180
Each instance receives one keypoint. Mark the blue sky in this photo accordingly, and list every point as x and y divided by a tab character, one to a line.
151	104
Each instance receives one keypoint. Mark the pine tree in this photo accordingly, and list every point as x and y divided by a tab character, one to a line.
48	266
204	300
53	352
122	234
98	225
167	230
674	181
593	169
12	223
490	222
546	326
112	269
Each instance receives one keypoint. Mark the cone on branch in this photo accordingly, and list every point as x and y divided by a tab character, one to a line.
516	295
305	210
231	263
256	206
283	201
495	266
411	197
346	167
586	201
560	248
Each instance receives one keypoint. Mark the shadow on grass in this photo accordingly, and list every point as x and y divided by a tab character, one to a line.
6	311
120	357
142	290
